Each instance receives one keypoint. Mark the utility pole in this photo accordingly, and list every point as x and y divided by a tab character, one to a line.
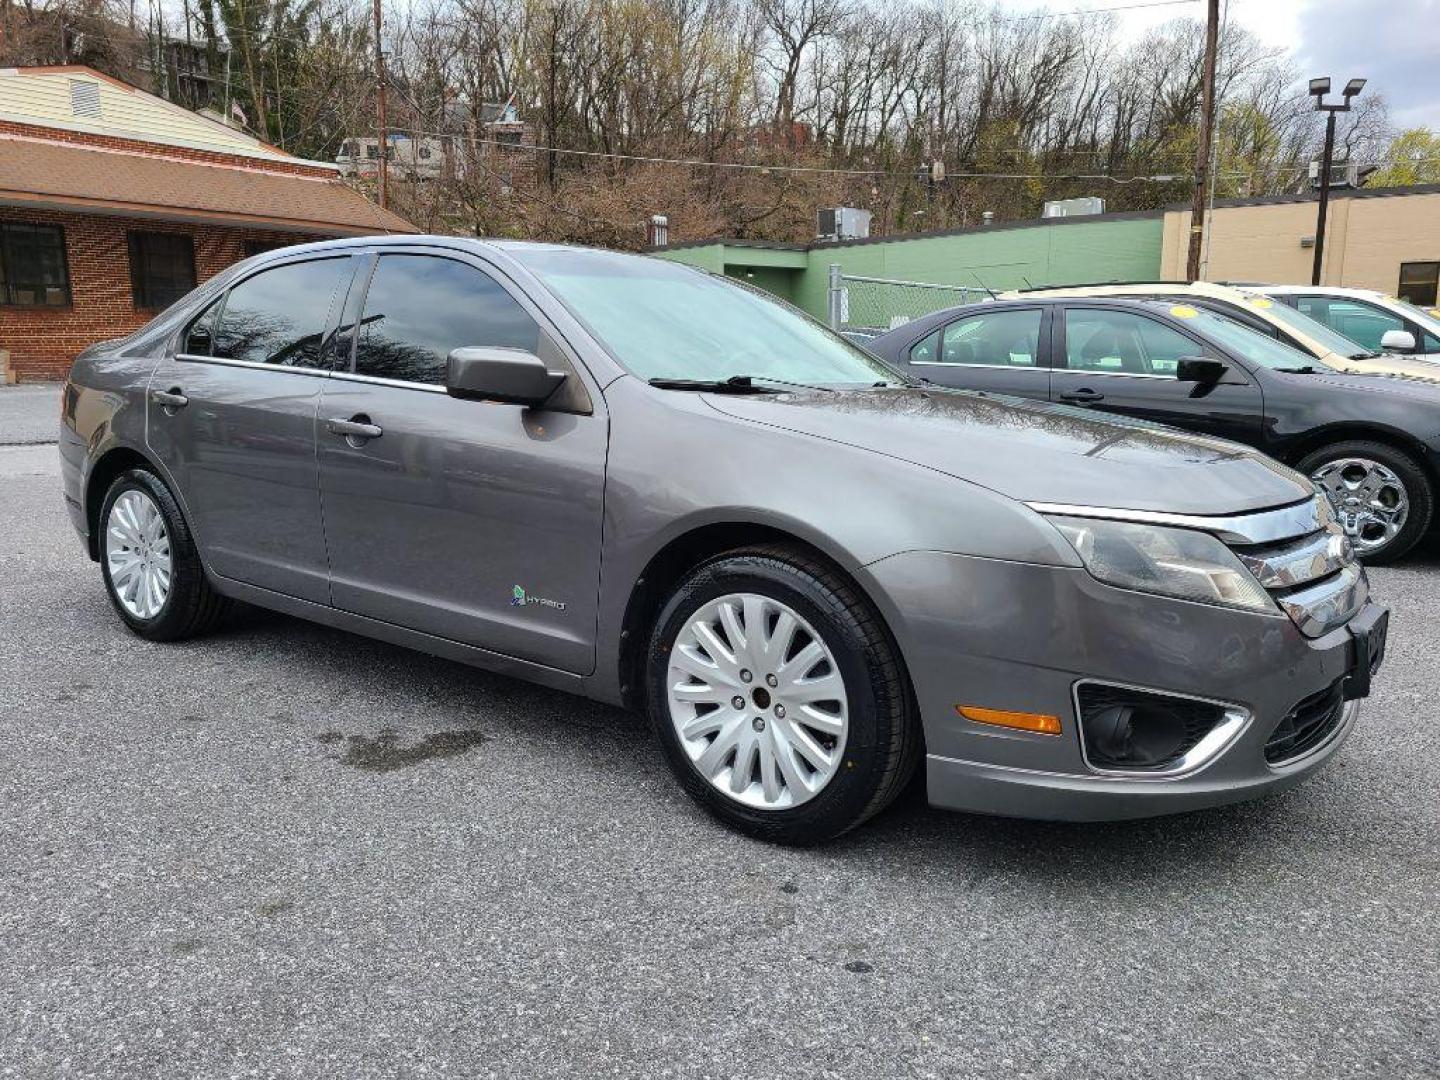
1207	134
1318	89
380	113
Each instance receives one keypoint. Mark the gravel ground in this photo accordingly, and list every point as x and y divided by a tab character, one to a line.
283	851
29	413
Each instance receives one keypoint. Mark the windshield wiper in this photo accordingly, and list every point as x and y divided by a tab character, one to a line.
735	384
1306	370
1372	355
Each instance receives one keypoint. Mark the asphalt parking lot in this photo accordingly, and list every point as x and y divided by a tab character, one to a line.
283	851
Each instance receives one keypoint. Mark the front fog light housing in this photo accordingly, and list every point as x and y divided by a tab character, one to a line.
1183	563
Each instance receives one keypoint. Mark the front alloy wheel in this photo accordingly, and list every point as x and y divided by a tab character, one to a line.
1382	496
757	701
779	696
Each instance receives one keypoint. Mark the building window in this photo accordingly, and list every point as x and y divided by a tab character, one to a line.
1418	281
33	269
162	268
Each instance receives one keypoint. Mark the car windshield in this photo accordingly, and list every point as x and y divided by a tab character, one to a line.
665	320
1313	329
1251	344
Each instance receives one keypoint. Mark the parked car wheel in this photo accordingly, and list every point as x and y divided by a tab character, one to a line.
151	567
779	697
1382	496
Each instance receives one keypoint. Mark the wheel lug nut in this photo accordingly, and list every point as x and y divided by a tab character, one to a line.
745	676
738	701
758	723
770	680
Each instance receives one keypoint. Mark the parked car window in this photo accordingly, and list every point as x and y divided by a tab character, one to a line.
1310	327
1362	323
1250	344
1419	283
926	350
420	307
162	268
661	319
278	316
33	268
1124	343
996	338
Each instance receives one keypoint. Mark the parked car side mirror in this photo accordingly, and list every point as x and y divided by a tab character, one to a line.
1397	341
1200	369
489	373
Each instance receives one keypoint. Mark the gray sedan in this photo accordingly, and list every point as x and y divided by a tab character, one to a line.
630	479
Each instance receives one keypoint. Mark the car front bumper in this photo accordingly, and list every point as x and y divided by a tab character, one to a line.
1021	637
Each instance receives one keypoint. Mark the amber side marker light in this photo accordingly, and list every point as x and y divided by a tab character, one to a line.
1025	721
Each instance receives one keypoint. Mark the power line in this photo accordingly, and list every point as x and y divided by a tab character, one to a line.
1096	10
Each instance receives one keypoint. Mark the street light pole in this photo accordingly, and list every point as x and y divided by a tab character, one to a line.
1318	89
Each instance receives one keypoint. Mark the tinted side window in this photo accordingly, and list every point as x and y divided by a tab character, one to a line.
200	335
1361	323
1122	343
926	349
278	316
419	307
1009	338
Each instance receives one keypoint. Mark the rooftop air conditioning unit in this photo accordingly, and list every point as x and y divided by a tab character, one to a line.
842	223
1073	207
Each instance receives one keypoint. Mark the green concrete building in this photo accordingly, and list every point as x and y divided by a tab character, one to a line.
1048	251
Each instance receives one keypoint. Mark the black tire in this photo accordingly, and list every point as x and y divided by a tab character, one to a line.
1418	488
192	606
883	742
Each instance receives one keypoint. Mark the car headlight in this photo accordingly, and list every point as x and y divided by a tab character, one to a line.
1182	563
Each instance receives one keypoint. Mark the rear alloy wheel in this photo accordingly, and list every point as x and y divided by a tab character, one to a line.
148	558
1381	496
779	697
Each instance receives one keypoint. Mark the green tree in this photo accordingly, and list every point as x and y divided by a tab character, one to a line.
1412	158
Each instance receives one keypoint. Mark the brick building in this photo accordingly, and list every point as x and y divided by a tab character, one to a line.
114	202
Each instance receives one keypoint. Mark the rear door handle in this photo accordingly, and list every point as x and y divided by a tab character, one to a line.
357	427
170	399
1084	394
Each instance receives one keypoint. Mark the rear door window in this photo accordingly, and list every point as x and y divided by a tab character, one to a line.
993	339
279	316
420	307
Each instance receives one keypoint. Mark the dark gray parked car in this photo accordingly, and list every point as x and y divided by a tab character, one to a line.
629	479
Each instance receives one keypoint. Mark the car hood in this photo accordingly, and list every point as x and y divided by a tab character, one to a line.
1036	452
1423	370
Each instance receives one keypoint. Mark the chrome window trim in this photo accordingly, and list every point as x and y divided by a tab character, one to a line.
379	380
999	367
1260	527
1113	374
225	361
1215	742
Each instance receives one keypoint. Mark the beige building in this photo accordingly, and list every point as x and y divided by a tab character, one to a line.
1386	239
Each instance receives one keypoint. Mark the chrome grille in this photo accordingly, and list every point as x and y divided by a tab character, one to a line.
1312	572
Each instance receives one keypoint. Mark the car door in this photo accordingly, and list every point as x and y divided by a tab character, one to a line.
1001	350
1125	361
231	417
474	521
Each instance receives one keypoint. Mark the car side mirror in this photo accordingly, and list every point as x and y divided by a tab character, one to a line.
1200	369
1397	341
489	373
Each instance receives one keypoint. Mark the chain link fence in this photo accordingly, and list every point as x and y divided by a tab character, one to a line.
879	304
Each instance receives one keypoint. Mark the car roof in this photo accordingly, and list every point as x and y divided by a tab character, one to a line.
1133	288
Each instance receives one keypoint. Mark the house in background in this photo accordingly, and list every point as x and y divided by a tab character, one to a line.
114	203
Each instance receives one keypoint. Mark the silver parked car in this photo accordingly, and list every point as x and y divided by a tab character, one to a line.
629	479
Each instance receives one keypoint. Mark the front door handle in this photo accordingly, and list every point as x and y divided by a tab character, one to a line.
357	428
171	399
1082	396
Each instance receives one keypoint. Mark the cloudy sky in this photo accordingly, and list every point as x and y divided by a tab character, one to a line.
1393	43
